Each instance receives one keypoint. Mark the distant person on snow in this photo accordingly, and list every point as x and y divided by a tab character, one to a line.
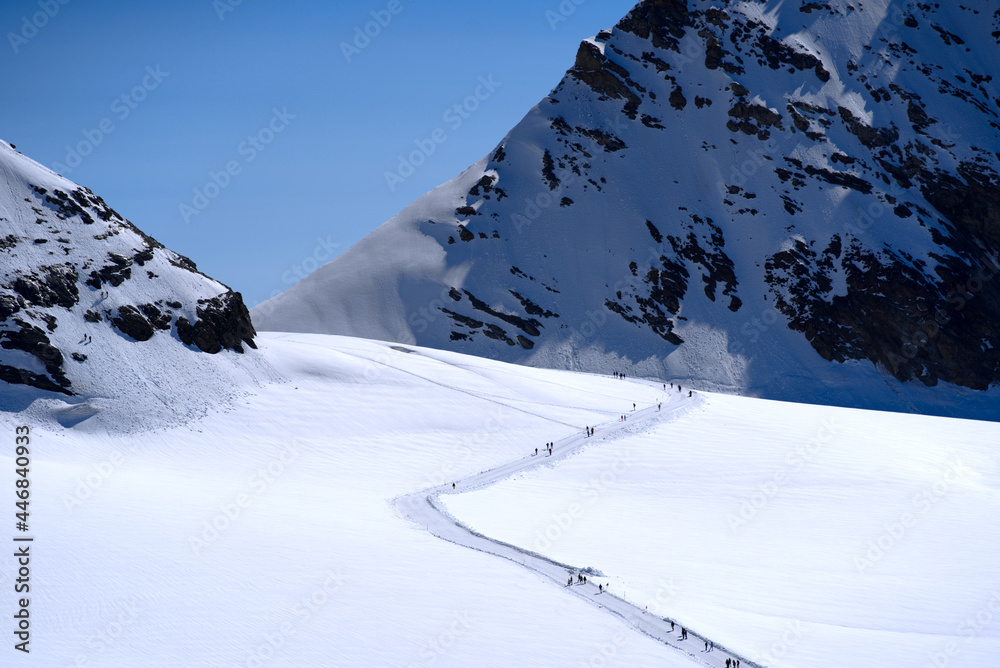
689	393
600	589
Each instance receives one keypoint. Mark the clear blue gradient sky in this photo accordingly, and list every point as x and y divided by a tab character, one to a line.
161	95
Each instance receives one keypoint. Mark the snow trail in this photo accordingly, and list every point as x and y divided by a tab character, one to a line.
422	508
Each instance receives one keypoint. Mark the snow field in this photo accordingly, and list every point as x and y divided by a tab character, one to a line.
798	535
264	535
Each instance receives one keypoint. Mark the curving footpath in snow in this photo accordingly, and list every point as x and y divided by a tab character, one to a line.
423	509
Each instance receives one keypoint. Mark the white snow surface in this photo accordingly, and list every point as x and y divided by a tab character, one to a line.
803	535
310	564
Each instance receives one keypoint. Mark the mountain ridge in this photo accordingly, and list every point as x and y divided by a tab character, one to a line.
97	317
787	200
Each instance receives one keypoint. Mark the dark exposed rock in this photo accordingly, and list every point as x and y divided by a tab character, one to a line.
529	327
131	322
496	332
117	272
156	318
970	200
531	308
32	340
604	77
661	21
549	171
892	314
143	256
9	305
677	99
223	324
471	323
866	134
53	286
655	233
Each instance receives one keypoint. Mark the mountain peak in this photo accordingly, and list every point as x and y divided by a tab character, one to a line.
91	307
790	200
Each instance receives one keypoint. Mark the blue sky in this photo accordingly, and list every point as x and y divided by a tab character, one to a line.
244	134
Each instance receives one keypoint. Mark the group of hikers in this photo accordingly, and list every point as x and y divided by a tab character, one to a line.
548	448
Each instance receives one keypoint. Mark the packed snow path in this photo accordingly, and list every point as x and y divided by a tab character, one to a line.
423	509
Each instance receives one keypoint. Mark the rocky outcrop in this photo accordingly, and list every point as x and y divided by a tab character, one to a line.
223	323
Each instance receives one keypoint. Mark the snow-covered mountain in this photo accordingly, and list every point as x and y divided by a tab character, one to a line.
95	315
796	200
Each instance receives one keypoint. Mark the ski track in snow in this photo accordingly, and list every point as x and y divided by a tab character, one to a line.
422	508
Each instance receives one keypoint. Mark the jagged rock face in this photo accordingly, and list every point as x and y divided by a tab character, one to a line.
771	197
74	274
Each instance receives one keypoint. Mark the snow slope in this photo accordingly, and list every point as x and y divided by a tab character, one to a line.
101	324
266	534
804	535
792	200
317	569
